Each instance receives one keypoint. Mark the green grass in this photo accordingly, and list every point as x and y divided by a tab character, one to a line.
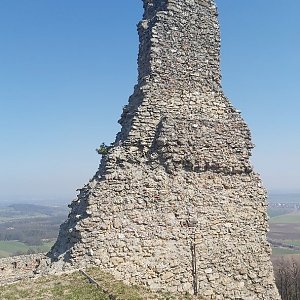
292	242
12	246
75	286
283	251
8	248
65	287
286	219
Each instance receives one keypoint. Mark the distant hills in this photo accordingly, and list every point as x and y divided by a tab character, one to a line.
38	209
24	211
284	198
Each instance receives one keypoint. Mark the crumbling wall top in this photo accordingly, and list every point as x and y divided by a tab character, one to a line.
153	6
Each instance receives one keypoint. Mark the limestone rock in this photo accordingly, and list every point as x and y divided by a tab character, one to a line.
176	189
178	173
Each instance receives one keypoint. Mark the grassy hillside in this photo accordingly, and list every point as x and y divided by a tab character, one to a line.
76	286
9	248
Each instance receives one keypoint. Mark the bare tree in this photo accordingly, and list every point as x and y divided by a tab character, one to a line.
287	274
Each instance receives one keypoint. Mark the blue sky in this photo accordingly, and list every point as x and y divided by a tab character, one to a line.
68	66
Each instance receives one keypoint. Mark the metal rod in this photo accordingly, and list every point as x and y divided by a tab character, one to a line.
194	265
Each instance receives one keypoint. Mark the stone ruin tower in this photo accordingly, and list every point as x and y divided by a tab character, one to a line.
175	204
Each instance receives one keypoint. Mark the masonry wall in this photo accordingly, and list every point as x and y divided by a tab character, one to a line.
176	189
20	267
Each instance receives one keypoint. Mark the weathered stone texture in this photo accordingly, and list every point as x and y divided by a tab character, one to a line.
178	173
23	266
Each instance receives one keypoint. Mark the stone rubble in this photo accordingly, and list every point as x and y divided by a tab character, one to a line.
178	173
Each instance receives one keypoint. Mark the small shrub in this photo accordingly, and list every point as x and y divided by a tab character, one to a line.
103	149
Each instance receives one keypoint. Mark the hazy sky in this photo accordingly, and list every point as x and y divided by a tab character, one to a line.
68	66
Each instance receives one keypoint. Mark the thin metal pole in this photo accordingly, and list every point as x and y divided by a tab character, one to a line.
194	265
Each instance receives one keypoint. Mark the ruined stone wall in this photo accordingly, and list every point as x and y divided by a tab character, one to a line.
20	267
178	174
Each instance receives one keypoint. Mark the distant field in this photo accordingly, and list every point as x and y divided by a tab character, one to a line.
285	229
21	212
293	242
6	218
9	248
293	218
25	227
282	251
284	232
278	211
27	211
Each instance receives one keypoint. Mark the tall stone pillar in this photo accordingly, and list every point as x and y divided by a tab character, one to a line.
175	204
